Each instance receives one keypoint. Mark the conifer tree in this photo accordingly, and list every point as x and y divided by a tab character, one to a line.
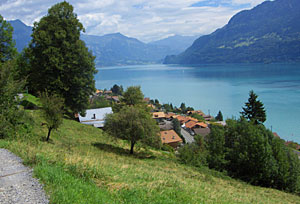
219	117
254	109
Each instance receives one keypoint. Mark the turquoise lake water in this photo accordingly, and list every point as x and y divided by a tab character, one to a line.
211	88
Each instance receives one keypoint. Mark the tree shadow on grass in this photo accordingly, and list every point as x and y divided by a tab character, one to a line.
123	152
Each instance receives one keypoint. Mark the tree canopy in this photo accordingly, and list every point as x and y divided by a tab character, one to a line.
254	109
7	44
133	96
133	124
59	61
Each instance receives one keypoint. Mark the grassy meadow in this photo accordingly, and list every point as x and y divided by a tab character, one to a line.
82	164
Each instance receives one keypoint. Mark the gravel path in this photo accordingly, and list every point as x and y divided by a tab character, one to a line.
16	183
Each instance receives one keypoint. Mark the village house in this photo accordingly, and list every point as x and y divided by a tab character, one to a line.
169	116
99	92
107	92
171	138
199	112
113	98
147	100
208	117
95	117
159	116
192	125
202	131
183	120
151	106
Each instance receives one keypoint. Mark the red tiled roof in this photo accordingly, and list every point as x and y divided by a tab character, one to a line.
169	136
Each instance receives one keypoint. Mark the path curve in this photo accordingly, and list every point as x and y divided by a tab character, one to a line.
17	186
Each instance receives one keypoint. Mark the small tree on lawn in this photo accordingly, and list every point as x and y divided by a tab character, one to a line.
52	111
254	109
133	124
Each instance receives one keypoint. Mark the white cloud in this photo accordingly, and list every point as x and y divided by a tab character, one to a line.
146	20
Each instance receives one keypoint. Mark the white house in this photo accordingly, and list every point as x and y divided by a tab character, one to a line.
95	117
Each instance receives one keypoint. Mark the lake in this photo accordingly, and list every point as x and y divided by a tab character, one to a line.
225	87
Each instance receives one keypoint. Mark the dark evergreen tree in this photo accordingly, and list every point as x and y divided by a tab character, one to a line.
219	117
254	109
117	90
7	44
183	108
59	61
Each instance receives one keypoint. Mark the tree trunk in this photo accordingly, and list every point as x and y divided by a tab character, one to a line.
132	145
49	132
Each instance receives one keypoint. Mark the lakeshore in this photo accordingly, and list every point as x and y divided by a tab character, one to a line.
211	88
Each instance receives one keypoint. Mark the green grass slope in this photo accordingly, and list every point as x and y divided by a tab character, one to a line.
82	164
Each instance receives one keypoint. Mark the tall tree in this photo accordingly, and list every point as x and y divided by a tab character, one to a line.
60	62
134	124
254	109
7	44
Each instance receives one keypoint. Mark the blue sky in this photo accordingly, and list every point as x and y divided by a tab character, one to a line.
146	20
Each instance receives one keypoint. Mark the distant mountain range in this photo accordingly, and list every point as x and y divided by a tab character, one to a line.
21	34
270	32
116	49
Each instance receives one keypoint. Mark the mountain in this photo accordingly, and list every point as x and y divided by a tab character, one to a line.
176	44
21	34
270	32
115	49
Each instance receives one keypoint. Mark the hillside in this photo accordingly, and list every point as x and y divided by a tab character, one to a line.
116	49
270	32
82	164
176	43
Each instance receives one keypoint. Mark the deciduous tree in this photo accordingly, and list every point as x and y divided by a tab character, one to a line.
59	61
133	96
134	124
52	111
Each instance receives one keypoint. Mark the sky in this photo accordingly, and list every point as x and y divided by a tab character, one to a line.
146	20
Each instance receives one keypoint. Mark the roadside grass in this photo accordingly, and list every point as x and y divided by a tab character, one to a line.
82	164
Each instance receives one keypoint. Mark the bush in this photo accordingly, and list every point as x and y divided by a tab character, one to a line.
168	148
194	154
